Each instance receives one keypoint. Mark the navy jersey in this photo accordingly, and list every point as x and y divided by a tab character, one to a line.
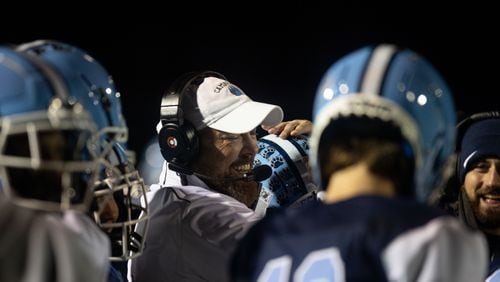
361	239
494	267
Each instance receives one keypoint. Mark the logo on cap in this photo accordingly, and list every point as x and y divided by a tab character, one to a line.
235	90
468	158
220	86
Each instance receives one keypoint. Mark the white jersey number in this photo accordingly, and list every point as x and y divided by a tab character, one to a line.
495	277
321	265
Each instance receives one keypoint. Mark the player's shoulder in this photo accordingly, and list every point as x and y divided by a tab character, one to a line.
398	214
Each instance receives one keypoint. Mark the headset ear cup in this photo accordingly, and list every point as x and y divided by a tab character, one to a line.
178	139
178	144
192	139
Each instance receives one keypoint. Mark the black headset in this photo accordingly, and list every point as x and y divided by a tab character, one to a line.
177	137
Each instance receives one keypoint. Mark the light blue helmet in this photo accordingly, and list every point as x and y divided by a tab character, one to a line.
416	99
291	181
89	82
47	157
151	163
91	85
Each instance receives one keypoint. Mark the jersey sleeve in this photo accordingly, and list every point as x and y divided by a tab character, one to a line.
442	250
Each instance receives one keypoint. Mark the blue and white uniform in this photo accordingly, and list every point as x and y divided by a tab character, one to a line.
366	238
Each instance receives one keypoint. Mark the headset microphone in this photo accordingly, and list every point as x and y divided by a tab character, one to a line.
261	172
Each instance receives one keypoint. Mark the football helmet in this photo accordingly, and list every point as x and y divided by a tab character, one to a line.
290	184
151	163
416	100
47	157
92	86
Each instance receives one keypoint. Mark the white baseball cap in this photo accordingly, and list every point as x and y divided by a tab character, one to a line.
223	106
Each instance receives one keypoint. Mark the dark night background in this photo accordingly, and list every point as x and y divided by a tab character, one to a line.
279	64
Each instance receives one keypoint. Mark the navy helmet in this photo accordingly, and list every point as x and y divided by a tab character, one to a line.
416	99
47	157
91	85
290	183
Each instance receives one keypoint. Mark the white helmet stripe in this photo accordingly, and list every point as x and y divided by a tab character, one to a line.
376	69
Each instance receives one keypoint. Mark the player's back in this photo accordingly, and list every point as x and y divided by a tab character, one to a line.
50	246
15	225
361	239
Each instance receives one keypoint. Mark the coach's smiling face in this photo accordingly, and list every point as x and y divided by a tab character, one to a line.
482	187
225	156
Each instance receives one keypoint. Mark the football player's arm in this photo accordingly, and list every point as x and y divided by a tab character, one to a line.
442	250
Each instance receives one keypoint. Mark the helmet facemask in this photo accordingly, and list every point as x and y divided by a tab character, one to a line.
119	197
47	158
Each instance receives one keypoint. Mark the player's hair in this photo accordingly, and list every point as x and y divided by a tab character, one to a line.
384	158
